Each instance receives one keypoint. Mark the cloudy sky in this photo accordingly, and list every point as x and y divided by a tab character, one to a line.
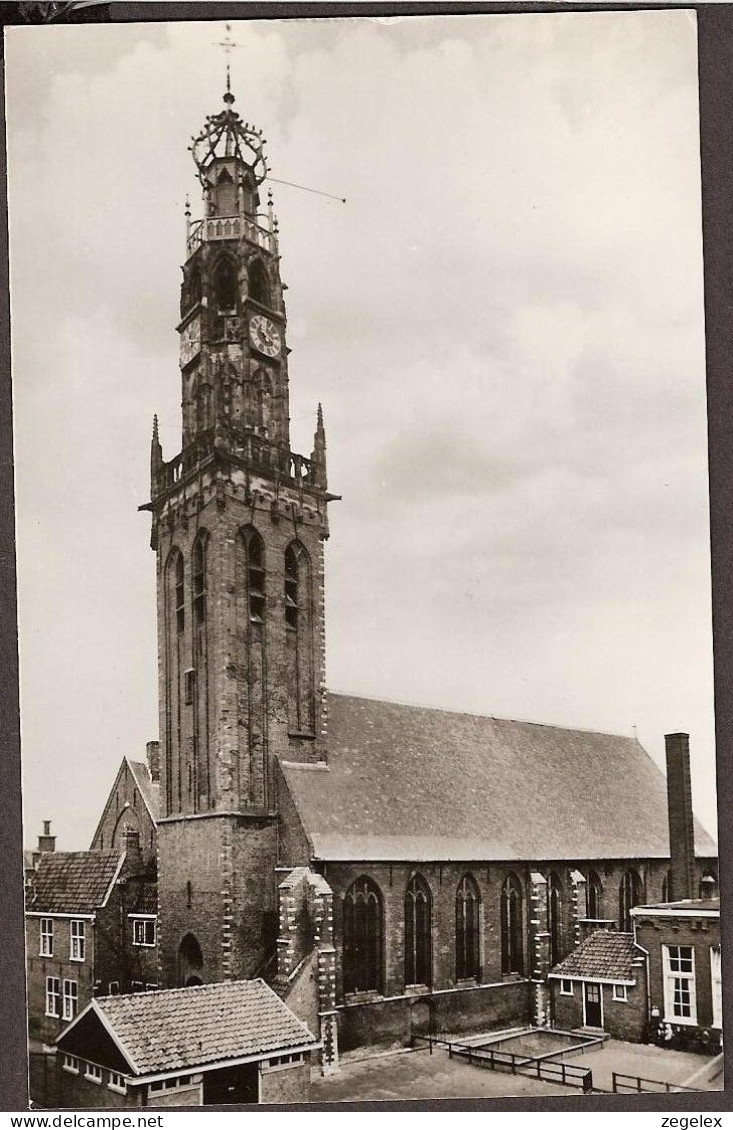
504	324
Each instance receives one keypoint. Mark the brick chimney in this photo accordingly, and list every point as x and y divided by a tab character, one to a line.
46	842
133	856
152	751
681	822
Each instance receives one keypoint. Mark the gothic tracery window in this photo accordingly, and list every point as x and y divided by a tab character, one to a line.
555	917
299	639
362	942
468	902
594	895
629	896
418	940
512	926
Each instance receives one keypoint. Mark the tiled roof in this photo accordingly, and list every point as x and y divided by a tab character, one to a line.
406	782
149	790
173	1029
69	881
603	956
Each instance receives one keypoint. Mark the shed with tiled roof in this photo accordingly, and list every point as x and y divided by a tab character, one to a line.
197	1043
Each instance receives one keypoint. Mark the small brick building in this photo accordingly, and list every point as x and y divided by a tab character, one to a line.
90	929
682	940
602	984
207	1045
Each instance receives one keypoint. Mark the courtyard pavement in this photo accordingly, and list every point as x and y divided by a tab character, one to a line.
419	1075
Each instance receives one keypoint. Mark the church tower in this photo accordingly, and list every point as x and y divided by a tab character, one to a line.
238	525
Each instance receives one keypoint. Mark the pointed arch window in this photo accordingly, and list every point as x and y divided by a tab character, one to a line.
292	587
555	917
666	886
629	896
418	940
362	942
255	575
259	283
263	394
512	926
225	284
468	903
594	895
199	580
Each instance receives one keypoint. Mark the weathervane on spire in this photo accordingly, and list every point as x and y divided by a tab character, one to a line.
227	44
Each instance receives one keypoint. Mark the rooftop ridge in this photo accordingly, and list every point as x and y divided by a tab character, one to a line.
492	717
210	986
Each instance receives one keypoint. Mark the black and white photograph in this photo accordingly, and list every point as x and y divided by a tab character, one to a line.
363	559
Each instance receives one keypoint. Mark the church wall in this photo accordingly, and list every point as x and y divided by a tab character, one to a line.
293	849
397	1020
443	880
230	864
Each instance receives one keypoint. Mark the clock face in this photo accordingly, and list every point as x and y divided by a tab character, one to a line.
265	335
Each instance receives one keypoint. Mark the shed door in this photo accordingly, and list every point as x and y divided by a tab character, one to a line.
593	1005
238	1084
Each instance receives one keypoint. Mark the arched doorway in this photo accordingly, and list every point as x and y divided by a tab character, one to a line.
190	962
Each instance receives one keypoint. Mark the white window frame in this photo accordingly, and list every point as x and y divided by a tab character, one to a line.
71	1063
70	999
564	990
151	986
137	987
620	993
53	996
77	939
117	1083
716	986
677	979
113	992
45	944
92	1072
140	926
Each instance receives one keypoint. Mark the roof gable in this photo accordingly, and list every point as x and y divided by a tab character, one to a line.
88	1038
605	955
68	882
173	1029
148	789
406	782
